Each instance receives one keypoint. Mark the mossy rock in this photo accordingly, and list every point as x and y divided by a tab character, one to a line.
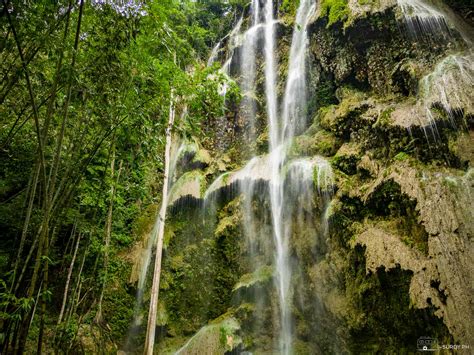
321	143
260	276
191	184
202	157
288	10
461	146
347	157
215	338
335	11
228	224
339	118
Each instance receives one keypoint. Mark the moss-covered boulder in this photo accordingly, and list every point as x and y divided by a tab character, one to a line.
190	185
218	337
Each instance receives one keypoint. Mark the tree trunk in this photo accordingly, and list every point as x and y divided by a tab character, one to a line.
150	333
68	280
108	228
43	300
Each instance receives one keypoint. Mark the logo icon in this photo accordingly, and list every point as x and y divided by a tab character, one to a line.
425	343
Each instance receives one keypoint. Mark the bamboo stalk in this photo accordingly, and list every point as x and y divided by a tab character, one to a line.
150	333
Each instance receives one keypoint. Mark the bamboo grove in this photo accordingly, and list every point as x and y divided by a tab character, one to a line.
85	98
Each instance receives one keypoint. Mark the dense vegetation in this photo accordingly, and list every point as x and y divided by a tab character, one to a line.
374	184
85	93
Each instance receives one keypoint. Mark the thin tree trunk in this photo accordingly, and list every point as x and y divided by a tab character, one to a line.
50	184
26	262
43	299
26	224
77	287
150	333
68	280
108	229
30	92
54	168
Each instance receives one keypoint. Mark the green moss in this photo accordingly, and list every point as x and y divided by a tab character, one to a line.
321	143
368	2
335	10
261	275
202	157
323	178
227	224
341	119
200	267
347	158
288	10
382	319
325	94
226	177
301	347
192	183
384	117
401	156
262	141
144	223
216	338
450	182
347	164
389	201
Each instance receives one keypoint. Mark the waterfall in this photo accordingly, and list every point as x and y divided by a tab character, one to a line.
420	15
248	68
234	38
296	188
233	35
281	134
294	104
425	16
214	54
233	42
270	74
277	155
292	184
449	85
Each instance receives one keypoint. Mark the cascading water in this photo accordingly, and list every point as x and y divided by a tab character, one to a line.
450	86
214	54
432	16
295	188
294	104
281	133
248	68
420	15
234	38
276	188
290	183
225	70
446	85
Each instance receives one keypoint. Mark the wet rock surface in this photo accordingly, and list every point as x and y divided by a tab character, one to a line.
394	258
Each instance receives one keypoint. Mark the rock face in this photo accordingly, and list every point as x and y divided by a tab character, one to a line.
190	185
444	277
389	258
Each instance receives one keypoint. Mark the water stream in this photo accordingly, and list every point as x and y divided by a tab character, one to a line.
294	184
449	85
248	68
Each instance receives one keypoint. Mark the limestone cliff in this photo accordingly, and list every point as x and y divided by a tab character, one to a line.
386	256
